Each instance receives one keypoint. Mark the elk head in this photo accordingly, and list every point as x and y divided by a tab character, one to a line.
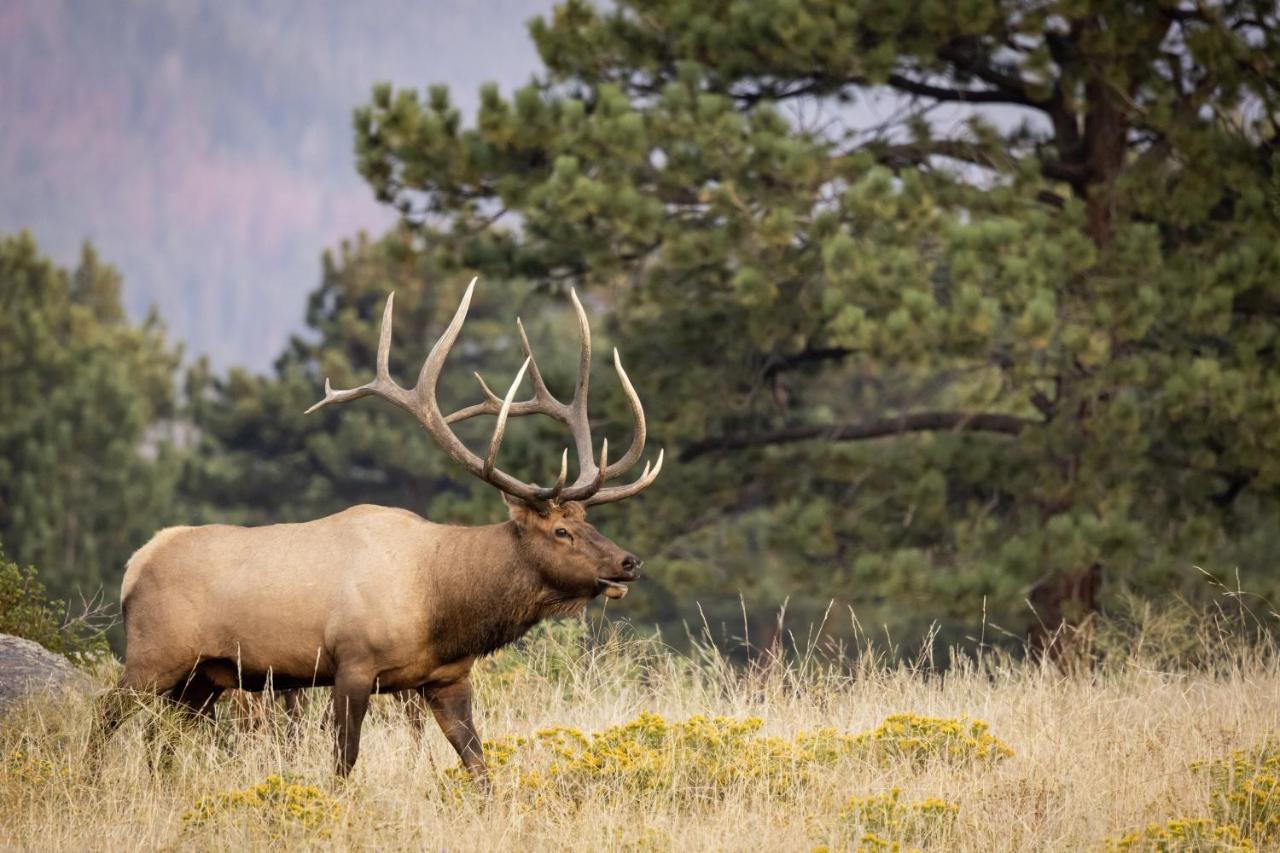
555	536
573	557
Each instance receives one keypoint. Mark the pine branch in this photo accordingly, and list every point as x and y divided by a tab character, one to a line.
864	430
946	93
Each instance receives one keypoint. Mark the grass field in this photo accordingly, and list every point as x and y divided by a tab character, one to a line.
1172	739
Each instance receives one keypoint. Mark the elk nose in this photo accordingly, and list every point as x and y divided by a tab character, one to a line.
631	564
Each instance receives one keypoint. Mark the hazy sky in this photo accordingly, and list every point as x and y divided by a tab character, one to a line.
205	146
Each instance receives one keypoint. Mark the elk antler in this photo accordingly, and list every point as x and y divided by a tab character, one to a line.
420	401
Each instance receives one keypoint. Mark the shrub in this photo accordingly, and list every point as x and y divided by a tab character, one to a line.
922	739
705	758
1181	835
1245	804
885	822
1246	792
31	771
278	801
27	611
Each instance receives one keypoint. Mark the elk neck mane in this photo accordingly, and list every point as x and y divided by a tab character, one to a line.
495	599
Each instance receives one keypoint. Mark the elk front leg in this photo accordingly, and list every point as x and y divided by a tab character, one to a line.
350	701
451	706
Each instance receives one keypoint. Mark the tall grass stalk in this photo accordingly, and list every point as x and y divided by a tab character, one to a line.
1101	748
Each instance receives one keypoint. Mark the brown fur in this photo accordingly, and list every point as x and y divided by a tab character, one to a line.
371	599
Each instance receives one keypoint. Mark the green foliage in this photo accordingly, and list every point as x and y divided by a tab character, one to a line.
27	611
1094	331
911	367
86	464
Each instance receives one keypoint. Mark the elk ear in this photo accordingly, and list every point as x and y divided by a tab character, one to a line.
522	513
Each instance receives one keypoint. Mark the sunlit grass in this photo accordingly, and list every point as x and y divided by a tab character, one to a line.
617	743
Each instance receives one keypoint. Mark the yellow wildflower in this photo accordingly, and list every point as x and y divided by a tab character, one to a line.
276	799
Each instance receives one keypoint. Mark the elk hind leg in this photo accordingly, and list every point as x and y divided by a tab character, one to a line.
416	708
196	698
192	700
295	708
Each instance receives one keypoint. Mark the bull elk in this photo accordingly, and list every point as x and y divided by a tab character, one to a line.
376	599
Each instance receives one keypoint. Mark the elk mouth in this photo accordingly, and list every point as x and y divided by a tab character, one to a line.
614	588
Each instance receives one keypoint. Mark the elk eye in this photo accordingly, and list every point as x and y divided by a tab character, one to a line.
563	533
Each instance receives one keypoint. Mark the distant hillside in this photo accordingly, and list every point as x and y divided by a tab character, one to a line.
205	146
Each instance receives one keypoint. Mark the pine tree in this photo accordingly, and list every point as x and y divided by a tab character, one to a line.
1023	327
87	467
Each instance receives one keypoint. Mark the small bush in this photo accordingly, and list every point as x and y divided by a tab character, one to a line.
278	801
31	771
1245	805
923	739
1181	835
1246	792
706	758
27	611
885	822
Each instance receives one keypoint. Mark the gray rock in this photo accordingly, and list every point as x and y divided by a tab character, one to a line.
28	668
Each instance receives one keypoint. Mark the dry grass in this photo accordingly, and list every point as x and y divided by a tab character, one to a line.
1095	755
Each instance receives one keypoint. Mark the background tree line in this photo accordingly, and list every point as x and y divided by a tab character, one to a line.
1021	331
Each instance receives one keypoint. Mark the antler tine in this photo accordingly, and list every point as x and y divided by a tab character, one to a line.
429	375
489	396
501	426
581	490
604	463
543	401
382	385
617	493
520	408
577	418
584	361
427	410
540	391
553	493
636	450
383	373
422	403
